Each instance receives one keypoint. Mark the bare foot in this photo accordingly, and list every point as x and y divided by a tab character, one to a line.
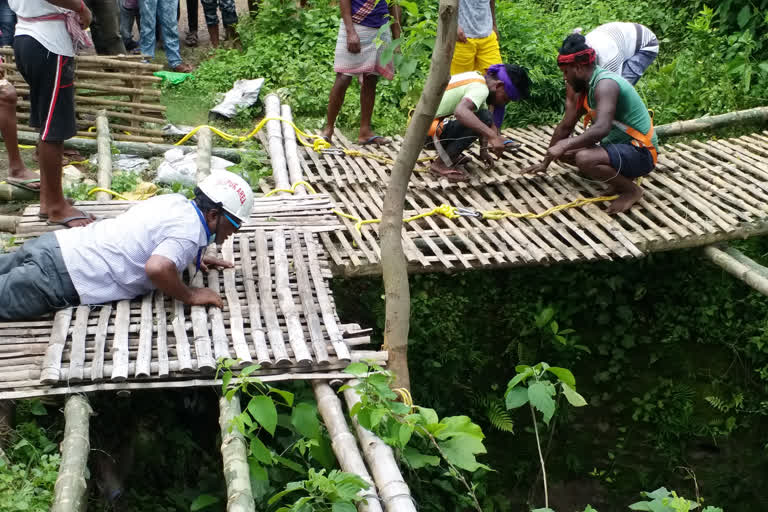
625	200
20	174
440	170
327	134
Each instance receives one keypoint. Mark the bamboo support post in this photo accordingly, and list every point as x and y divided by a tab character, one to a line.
275	144
8	223
70	487
11	193
204	147
291	152
104	178
392	488
740	266
235	457
754	115
343	442
130	148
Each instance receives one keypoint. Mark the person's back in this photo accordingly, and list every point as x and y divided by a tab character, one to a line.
630	108
475	18
51	34
624	48
106	259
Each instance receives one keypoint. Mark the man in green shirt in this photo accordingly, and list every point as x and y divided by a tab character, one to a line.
620	146
466	98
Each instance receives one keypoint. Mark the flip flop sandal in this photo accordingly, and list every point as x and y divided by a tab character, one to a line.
65	222
24	184
453	175
372	141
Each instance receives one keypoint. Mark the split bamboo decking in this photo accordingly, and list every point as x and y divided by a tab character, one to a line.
700	193
279	313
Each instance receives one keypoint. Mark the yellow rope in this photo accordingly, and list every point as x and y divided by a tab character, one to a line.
405	395
115	194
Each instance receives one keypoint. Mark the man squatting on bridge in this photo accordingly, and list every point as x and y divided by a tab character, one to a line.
146	247
465	98
620	146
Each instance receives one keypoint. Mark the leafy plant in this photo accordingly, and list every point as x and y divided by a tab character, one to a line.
336	492
420	437
662	500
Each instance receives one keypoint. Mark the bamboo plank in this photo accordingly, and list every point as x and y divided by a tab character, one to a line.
285	299
257	330
183	354
216	321
202	337
163	367
77	355
307	301
236	327
51	369
274	333
144	356
120	341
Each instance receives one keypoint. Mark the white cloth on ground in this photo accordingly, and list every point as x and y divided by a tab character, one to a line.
106	259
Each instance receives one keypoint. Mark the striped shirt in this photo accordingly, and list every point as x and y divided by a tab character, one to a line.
615	43
106	259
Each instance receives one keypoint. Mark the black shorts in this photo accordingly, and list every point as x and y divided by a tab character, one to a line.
631	161
51	79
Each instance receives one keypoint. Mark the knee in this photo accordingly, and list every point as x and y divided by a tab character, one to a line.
8	95
582	160
485	116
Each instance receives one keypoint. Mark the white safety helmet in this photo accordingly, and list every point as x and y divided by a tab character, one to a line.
230	191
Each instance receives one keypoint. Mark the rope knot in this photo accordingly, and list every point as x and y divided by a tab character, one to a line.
447	210
320	144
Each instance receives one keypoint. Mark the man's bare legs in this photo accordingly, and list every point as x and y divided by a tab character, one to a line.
52	200
595	163
16	167
335	100
367	101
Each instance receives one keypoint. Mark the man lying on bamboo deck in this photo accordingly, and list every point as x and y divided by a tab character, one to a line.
620	145
465	98
127	256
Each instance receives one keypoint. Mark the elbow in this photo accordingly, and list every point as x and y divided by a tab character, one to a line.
157	266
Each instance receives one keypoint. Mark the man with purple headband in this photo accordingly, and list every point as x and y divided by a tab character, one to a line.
465	99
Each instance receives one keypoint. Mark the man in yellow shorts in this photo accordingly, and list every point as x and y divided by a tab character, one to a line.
477	45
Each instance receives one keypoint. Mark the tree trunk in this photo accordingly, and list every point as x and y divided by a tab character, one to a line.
394	265
754	115
71	484
234	454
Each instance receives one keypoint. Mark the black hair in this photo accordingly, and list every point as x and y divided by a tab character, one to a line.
204	202
519	77
572	44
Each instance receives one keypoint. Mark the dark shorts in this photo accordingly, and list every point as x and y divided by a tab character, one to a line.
631	161
51	80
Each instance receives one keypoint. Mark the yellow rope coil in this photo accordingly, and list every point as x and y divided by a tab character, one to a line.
405	395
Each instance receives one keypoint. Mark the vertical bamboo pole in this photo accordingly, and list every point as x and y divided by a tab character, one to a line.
392	488
343	442
70	487
234	455
204	148
291	153
275	143
103	139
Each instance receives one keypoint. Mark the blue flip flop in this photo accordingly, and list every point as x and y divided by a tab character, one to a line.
372	141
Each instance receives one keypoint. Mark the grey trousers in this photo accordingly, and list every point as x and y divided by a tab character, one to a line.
34	280
105	27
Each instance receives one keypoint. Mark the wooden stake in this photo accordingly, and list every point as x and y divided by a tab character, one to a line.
393	490
104	177
235	457
291	153
204	146
343	442
70	487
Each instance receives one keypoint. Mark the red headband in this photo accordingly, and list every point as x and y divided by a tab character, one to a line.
577	57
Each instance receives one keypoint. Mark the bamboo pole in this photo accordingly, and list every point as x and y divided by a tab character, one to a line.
8	223
754	115
291	153
116	103
70	487
343	442
740	266
275	144
204	147
131	148
11	193
104	177
235	457
392	488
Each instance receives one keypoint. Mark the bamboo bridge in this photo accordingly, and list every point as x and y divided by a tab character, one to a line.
279	309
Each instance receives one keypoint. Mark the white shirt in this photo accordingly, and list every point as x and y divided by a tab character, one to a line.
51	34
106	259
615	43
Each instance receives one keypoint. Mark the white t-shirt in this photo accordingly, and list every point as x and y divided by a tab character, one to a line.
106	259
51	34
615	43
